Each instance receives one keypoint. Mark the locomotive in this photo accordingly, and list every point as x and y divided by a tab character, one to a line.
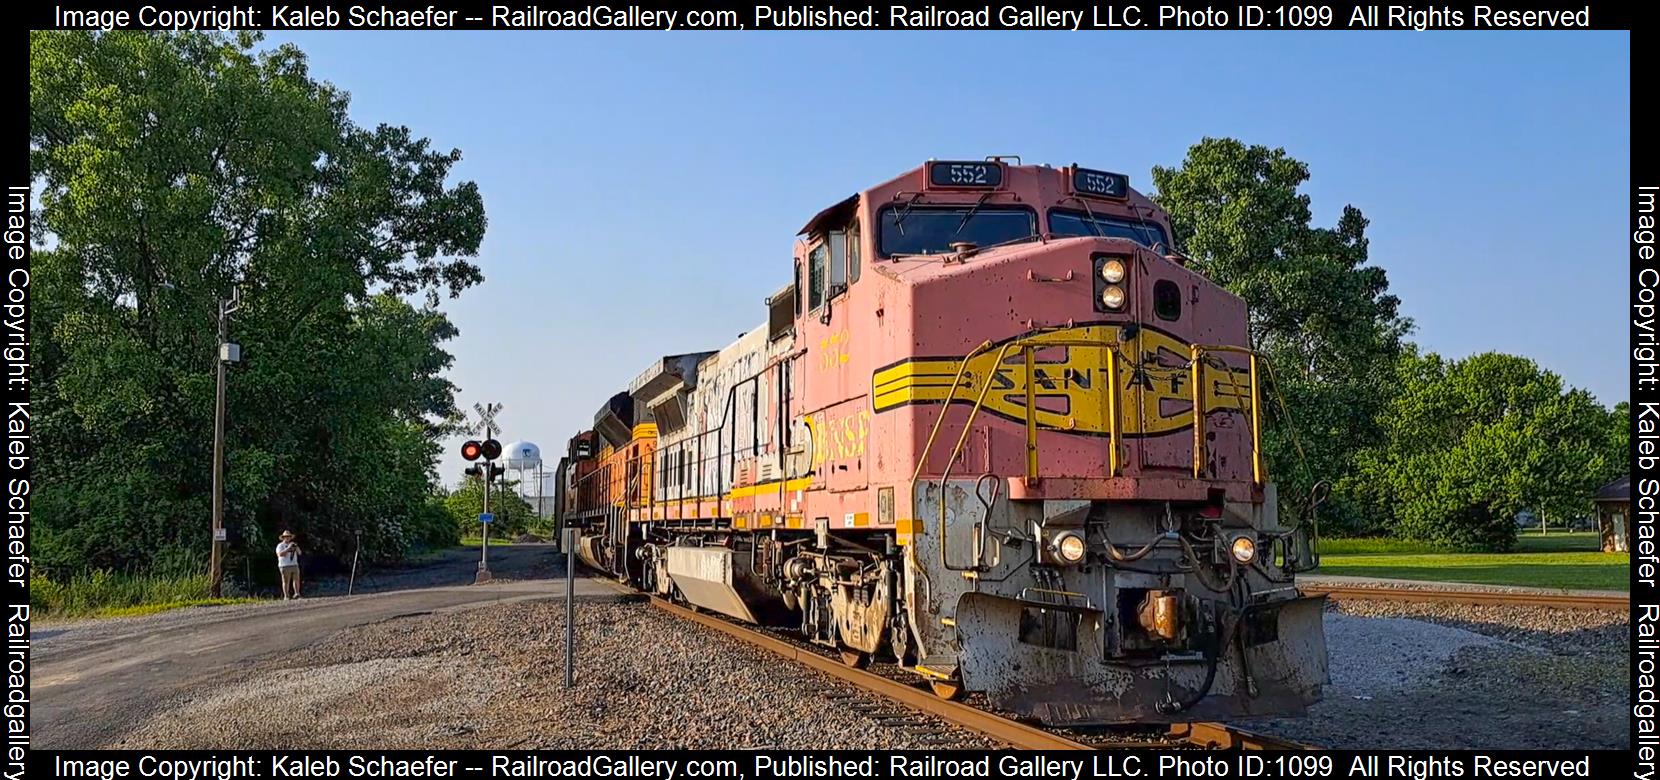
993	429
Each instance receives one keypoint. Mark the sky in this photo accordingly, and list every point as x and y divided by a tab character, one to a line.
643	189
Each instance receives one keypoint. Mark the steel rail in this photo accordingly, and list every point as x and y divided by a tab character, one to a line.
1013	733
1581	601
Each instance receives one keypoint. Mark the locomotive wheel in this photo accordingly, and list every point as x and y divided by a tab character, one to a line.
949	690
858	659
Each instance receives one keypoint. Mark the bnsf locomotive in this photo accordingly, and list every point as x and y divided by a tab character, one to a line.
993	429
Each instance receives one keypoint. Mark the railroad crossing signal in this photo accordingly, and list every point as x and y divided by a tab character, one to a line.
489	449
487	416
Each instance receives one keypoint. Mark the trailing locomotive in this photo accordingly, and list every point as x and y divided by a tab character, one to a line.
994	429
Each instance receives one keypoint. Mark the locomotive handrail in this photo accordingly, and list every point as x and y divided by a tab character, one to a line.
1026	344
1197	364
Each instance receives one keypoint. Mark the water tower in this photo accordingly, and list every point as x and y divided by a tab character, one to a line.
523	456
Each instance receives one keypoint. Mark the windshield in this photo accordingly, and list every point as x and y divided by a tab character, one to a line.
1070	223
931	230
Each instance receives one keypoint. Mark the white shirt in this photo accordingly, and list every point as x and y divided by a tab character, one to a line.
288	554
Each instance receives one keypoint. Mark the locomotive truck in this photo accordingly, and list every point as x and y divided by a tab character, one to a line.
993	429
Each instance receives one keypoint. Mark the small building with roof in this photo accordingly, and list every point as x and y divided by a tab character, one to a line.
1613	502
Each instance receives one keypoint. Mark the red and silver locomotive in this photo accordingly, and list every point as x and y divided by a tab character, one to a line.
994	429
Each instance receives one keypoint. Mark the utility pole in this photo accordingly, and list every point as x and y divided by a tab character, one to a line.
228	353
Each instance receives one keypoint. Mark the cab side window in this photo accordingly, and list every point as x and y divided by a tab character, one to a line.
853	252
838	261
1167	300
817	270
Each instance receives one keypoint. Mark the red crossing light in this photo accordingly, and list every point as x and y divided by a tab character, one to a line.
471	450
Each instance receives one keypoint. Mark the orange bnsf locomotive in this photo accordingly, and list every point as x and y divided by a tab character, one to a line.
993	429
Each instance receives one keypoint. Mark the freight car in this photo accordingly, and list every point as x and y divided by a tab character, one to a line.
994	429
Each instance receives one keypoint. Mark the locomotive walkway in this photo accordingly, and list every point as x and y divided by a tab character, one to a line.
94	679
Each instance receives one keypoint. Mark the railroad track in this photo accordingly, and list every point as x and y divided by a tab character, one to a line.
1011	732
1480	597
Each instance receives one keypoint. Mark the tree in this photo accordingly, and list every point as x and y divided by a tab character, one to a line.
1471	443
513	515
1320	313
1616	442
172	167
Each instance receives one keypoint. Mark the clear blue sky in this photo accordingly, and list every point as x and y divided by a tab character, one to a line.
643	189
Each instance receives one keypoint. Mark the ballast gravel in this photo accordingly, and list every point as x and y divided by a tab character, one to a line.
1403	675
1448	676
493	678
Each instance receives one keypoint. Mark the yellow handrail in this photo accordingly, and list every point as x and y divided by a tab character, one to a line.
1199	412
1112	411
1031	413
1025	343
979	401
929	445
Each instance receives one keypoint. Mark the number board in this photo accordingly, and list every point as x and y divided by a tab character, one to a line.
1100	183
967	174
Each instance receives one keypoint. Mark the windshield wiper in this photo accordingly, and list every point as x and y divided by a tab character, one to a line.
970	215
1141	222
1093	222
899	214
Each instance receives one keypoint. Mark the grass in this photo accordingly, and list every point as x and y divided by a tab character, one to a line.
495	541
1555	560
108	594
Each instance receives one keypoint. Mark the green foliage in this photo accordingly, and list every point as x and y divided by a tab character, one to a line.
106	593
1319	311
1445	453
1470	443
514	515
172	167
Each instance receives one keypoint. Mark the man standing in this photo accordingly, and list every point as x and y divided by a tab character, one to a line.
288	562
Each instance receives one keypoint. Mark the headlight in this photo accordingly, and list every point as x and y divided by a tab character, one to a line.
1113	297
1113	271
1244	549
1069	547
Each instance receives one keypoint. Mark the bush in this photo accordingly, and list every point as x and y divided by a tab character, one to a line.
433	528
1471	528
513	514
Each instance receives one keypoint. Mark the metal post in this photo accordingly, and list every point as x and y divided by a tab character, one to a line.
483	575
353	581
570	607
216	560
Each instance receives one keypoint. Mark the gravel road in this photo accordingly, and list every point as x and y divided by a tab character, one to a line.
94	680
